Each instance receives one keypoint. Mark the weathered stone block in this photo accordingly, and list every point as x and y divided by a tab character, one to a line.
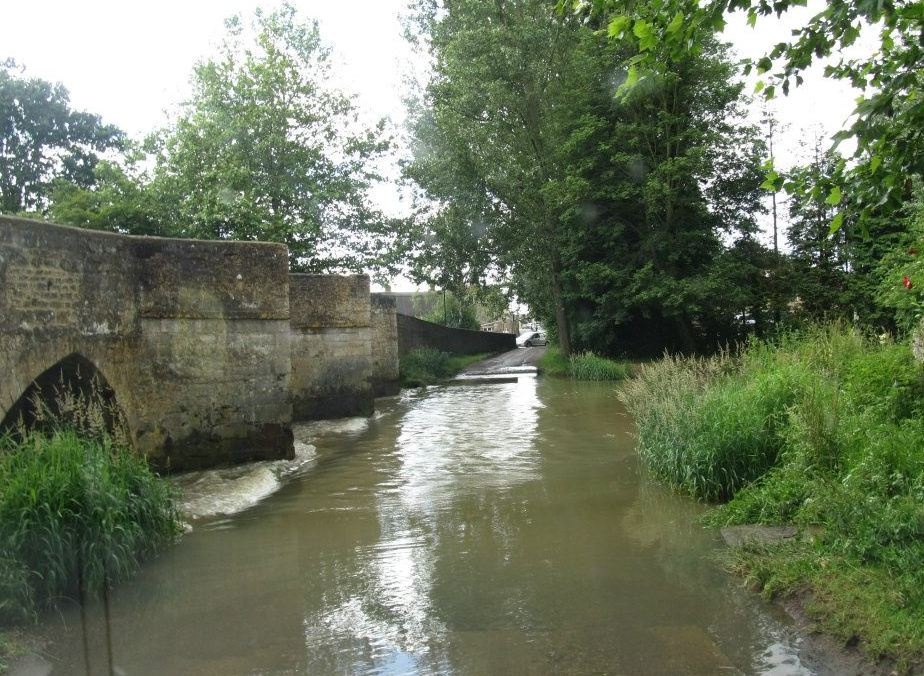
330	347
384	345
182	331
329	301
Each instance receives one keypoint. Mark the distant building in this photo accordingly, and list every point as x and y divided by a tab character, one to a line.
504	325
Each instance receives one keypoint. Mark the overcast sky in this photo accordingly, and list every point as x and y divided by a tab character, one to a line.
128	61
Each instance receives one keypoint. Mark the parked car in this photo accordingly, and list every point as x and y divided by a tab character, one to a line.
531	338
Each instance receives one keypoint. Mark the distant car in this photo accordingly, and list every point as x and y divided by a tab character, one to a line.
531	338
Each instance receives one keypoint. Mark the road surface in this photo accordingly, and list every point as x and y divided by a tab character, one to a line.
520	360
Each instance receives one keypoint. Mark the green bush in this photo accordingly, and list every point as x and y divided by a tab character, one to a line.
554	363
705	429
75	513
582	366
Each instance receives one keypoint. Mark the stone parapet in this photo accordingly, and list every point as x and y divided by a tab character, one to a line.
192	337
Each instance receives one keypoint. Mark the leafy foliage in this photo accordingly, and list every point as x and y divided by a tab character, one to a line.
589	366
428	366
118	201
901	272
455	310
606	214
42	138
822	431
889	114
582	366
266	149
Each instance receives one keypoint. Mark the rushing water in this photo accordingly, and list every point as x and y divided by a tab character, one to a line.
487	529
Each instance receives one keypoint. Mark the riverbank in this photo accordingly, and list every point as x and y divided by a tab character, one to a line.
821	432
428	366
582	366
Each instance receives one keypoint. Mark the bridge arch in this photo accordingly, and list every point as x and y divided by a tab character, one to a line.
73	391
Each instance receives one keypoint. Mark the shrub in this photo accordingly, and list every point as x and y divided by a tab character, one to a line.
582	366
423	366
75	515
588	366
705	429
554	363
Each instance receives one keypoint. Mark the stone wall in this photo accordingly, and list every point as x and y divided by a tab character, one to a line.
193	337
210	349
384	346
330	346
415	333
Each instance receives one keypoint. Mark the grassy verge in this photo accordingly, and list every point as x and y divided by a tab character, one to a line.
583	366
554	363
75	515
12	645
823	430
428	366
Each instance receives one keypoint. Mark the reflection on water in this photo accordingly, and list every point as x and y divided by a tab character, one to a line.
468	530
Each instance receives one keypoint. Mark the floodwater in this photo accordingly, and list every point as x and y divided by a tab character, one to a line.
485	529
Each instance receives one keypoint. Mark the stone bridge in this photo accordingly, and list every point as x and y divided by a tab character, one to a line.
209	350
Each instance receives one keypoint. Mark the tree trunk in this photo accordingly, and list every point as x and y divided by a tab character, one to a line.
561	316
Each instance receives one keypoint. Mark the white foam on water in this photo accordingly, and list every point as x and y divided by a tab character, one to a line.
311	430
229	490
782	659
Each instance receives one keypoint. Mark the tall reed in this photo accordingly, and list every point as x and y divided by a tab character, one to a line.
76	513
824	431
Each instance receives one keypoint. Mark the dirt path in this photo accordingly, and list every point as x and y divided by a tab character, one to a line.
520	360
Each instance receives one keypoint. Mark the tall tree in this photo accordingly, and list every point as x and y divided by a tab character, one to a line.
43	139
490	139
267	149
603	211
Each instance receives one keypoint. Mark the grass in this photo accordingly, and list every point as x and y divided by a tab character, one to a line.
12	645
582	366
75	515
554	363
589	366
824	429
428	366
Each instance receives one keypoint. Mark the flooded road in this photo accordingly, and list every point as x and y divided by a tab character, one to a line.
490	529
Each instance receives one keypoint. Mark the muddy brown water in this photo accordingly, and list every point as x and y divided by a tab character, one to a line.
488	529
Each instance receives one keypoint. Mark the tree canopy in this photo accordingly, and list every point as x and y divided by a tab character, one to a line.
606	213
267	149
888	124
42	139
